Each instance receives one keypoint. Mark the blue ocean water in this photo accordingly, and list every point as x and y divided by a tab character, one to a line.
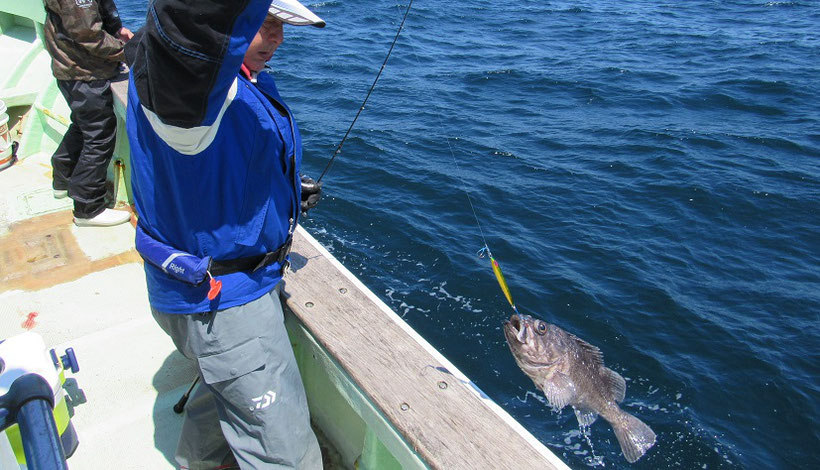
646	172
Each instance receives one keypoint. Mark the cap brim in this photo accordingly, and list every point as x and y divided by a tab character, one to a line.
293	12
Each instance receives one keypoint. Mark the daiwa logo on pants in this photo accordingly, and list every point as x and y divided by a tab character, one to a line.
264	401
84	3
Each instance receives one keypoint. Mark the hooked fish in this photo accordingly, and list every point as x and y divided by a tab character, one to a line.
571	371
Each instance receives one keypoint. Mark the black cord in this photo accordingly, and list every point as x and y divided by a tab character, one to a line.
361	108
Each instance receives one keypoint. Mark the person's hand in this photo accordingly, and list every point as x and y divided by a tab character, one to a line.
125	34
311	192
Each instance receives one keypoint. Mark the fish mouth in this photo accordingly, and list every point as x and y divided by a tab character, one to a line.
516	329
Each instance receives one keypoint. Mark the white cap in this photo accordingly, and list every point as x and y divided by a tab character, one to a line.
293	12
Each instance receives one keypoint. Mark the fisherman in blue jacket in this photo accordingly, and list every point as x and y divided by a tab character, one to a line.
216	155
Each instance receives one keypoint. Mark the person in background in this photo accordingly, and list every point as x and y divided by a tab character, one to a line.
85	40
216	156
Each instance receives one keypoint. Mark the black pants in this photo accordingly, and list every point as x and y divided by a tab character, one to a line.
81	161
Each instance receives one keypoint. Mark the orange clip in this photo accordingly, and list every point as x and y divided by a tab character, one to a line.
216	286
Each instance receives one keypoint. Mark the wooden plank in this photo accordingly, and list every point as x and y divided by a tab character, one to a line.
430	403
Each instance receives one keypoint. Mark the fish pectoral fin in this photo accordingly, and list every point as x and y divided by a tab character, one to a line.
616	383
585	416
559	390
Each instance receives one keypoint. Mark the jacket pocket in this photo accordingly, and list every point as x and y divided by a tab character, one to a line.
233	363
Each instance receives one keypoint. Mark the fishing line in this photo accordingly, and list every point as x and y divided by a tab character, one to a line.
485	250
361	108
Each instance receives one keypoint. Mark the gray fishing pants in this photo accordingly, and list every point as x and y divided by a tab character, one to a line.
250	400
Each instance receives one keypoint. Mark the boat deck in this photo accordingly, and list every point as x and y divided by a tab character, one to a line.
87	289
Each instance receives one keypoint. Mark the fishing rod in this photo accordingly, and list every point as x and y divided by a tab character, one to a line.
373	86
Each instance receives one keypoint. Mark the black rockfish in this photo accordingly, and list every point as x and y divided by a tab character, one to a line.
571	371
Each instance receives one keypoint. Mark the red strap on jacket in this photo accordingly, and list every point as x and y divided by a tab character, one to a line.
245	71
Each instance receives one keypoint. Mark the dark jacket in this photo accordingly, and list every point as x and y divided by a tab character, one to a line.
79	35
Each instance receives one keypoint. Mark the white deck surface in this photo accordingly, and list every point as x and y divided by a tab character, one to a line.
130	375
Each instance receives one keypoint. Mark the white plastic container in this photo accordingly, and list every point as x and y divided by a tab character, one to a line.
5	138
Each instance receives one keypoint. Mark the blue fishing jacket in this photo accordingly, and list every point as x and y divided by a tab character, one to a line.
215	158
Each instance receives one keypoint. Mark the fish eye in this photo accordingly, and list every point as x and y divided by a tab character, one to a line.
541	327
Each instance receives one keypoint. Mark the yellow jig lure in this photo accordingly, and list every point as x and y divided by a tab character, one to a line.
499	276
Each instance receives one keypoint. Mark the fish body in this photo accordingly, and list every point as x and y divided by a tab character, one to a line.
571	371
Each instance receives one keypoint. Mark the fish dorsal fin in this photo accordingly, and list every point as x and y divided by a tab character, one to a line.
591	354
585	416
559	390
616	383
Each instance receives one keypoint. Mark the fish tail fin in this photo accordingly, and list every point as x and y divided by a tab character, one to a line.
634	436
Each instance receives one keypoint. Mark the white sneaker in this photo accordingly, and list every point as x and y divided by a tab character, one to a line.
106	218
60	193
